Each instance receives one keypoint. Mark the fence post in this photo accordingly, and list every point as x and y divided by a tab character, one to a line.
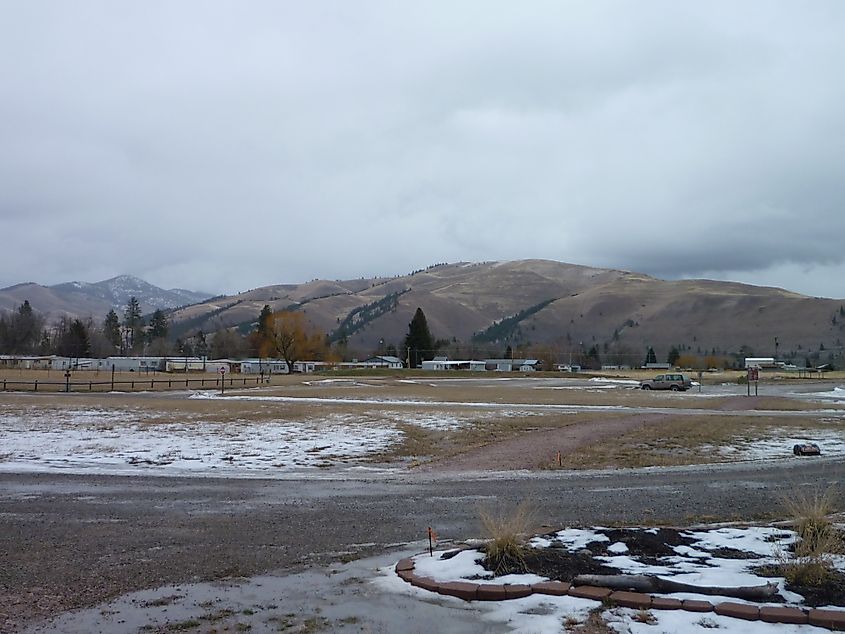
112	377
36	385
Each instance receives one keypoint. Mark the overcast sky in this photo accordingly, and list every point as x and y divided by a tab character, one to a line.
223	146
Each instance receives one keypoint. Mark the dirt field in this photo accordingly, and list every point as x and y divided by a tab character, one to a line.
276	482
489	422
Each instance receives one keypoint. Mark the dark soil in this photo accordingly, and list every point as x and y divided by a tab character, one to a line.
649	547
733	553
651	543
831	592
558	564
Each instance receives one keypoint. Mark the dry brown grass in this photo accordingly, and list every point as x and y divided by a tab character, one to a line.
423	445
595	624
811	562
682	439
408	385
507	533
687	439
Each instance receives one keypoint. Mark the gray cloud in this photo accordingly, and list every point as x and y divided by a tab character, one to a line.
223	146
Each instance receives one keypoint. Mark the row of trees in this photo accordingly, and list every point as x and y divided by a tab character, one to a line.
289	336
284	334
25	331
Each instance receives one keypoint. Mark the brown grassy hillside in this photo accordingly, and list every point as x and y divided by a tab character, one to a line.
603	307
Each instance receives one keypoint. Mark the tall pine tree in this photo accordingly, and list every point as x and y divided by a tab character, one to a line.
134	326
158	325
111	330
419	343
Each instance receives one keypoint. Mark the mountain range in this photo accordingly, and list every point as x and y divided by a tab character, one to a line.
567	306
489	305
84	299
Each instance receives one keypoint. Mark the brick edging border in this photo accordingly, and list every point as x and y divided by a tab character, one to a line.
830	619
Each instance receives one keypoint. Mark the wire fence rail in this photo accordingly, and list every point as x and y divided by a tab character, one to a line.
138	384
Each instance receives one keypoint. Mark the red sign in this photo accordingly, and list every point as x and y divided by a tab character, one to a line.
753	374
222	369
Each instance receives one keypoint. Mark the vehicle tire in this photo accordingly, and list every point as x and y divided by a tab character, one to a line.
646	387
675	388
797	450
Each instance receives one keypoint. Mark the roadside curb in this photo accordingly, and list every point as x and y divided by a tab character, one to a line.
468	591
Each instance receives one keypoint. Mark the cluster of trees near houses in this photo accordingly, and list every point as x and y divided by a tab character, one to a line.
288	335
26	332
284	335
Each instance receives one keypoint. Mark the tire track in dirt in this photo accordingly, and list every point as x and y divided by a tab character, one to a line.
538	449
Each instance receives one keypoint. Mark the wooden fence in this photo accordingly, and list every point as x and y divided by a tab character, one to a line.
131	385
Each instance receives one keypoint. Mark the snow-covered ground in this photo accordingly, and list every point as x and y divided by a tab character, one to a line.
129	441
835	396
697	564
778	443
138	440
121	441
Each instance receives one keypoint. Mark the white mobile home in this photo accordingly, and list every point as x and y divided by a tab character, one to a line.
136	364
267	366
761	362
394	363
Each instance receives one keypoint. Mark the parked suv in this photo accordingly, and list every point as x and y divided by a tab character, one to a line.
674	382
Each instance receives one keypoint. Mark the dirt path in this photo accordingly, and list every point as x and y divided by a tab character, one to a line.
539	449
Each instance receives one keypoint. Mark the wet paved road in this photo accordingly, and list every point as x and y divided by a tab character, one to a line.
71	541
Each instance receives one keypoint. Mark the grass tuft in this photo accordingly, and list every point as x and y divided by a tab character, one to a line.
811	562
507	533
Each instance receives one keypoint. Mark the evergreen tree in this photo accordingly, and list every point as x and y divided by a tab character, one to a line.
674	355
20	332
650	357
133	325
200	345
265	321
261	338
418	342
158	325
72	340
111	329
593	358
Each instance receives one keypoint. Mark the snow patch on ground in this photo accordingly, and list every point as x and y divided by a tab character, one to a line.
598	379
778	443
835	396
692	564
109	441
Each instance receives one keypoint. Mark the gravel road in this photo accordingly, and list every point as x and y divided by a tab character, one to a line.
73	541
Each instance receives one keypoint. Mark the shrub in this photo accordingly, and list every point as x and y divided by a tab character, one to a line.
507	534
811	563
